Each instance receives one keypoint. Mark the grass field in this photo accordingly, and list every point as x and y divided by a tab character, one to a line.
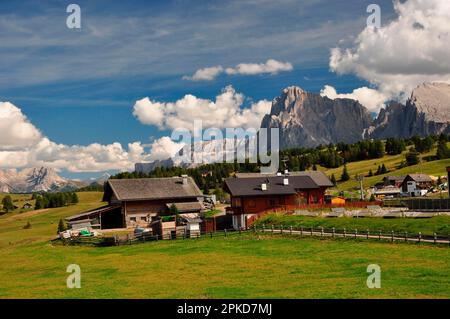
435	168
247	266
427	226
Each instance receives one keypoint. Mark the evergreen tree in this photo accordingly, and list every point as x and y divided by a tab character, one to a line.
7	203
333	179
370	173
345	176
412	157
74	198
442	150
61	226
383	169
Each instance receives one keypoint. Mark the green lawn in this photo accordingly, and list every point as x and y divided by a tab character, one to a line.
247	266
427	226
435	168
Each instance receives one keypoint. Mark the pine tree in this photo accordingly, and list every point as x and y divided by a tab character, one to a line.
383	169
61	226
370	173
333	179
7	203
345	176
442	150
74	198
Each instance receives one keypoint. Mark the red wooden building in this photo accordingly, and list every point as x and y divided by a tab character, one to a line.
254	193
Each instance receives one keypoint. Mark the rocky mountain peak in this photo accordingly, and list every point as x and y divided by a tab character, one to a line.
433	100
28	180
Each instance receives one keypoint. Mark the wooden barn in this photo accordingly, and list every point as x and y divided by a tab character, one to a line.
139	202
254	193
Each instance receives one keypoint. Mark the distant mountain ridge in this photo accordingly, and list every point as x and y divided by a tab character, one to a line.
308	119
29	180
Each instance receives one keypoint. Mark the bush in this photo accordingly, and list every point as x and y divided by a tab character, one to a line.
27	225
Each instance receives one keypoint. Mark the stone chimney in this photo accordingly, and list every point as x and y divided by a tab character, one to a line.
285	181
263	186
185	179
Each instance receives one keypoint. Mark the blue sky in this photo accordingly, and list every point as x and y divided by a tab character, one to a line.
79	86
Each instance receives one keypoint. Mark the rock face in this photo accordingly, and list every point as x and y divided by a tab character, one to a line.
426	112
31	180
308	119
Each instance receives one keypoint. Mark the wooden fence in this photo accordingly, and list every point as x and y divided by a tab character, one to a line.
330	233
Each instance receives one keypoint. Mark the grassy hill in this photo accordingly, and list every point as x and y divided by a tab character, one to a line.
247	266
392	162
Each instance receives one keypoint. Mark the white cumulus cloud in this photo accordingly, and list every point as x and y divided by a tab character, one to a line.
205	74
225	111
409	50
372	99
271	66
22	145
16	131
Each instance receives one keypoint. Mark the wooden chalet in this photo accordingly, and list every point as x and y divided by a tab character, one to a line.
254	193
139	202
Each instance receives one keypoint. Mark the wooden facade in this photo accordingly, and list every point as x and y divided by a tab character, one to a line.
250	196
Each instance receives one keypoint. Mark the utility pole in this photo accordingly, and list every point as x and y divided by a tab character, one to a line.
360	179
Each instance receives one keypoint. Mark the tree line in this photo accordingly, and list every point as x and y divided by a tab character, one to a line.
53	200
209	177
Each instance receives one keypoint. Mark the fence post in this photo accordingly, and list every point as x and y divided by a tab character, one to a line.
367	233
356	233
281	231
301	230
198	235
264	228
345	232
406	236
312	230
334	232
225	232
435	237
420	237
321	231
210	234
379	235
239	230
392	236
272	229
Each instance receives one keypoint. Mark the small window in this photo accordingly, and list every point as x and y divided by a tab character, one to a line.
132	219
272	202
237	202
143	218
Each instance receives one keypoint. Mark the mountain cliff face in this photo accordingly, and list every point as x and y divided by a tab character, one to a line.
308	119
31	180
426	112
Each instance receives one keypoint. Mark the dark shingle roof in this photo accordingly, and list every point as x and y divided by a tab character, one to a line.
317	176
154	188
187	206
420	177
251	186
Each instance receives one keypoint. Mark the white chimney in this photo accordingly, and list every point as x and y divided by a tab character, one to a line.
278	174
285	181
264	186
286	172
185	177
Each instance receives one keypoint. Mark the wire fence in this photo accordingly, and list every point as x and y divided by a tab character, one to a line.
330	233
